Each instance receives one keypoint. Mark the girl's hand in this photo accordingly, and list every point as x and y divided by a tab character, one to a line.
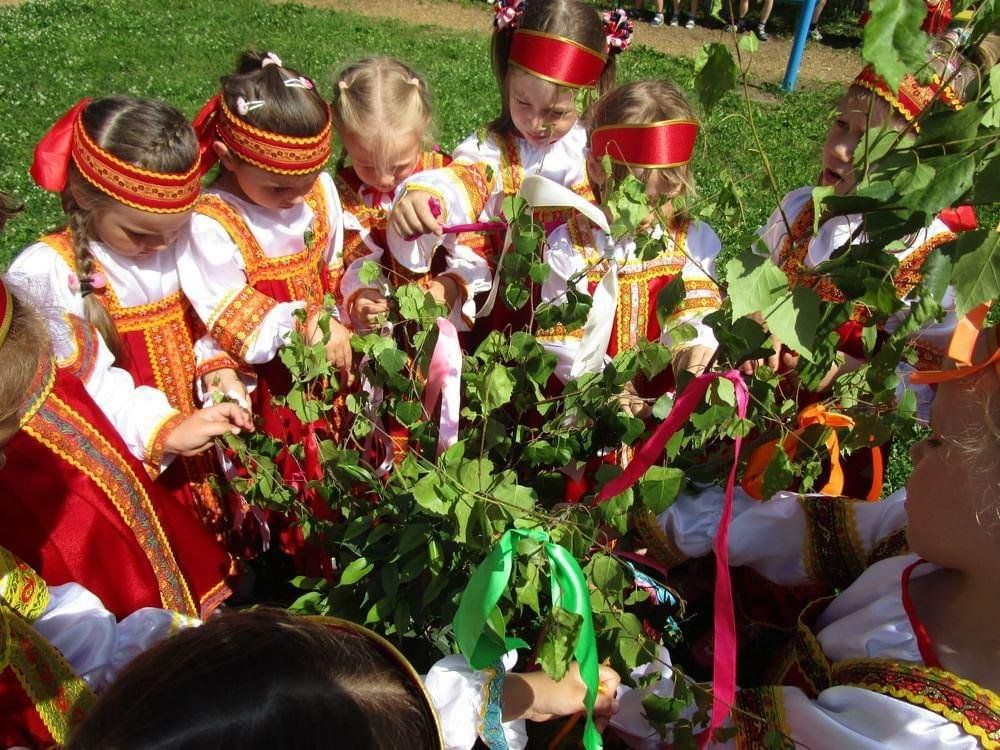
196	433
774	361
693	359
226	382
444	290
412	216
367	309
632	403
338	347
537	697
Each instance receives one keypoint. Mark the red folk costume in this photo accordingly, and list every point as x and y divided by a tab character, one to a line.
156	325
79	508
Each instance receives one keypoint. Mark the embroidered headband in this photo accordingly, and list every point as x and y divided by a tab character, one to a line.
6	311
272	152
68	141
556	59
913	97
668	143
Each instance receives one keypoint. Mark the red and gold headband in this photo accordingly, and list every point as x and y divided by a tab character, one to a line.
913	97
272	152
68	141
6	311
668	143
556	59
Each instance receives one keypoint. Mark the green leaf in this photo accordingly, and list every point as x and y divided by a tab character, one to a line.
369	273
748	43
659	487
976	277
428	494
355	571
793	319
562	628
992	117
667	300
412	301
408	412
778	475
755	284
497	388
892	39
391	359
715	73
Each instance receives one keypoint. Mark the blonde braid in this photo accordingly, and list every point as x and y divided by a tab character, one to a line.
78	221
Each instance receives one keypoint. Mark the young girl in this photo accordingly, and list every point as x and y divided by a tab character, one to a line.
266	679
381	110
544	54
128	173
266	239
77	506
647	129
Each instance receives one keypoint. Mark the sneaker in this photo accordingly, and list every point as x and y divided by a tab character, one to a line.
815	35
760	33
690	24
657	20
675	21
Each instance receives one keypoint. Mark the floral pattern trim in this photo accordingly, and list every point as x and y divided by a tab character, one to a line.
240	317
491	712
758	713
68	435
833	551
21	587
974	708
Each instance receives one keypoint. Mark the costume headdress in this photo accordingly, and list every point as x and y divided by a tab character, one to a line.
6	311
969	332
69	142
668	143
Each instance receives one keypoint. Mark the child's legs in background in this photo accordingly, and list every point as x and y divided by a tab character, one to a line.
765	11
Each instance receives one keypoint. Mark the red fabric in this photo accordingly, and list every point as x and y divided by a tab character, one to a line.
656	145
924	643
50	167
20	724
556	59
960	218
64	525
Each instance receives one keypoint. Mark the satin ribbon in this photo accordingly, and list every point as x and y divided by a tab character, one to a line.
569	590
961	349
724	651
444	378
655	145
753	475
556	59
50	167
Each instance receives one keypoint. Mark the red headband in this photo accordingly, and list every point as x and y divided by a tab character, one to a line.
68	140
272	152
668	143
555	59
6	311
913	97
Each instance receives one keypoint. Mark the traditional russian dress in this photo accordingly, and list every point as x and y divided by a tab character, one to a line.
796	249
58	647
79	508
248	269
578	254
159	337
484	172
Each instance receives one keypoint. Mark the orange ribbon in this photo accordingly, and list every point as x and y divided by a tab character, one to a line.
961	349
753	476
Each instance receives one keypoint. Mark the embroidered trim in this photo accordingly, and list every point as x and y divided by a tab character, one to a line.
833	550
237	324
807	655
974	708
512	173
661	546
61	698
758	712
56	426
38	390
158	439
491	710
892	545
21	588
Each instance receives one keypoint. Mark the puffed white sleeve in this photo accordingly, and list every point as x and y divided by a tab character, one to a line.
94	643
469	704
701	293
248	324
566	267
335	250
777	538
43	274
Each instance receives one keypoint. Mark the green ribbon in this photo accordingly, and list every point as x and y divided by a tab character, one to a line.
569	589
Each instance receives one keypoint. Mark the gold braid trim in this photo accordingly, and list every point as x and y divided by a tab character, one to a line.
661	547
21	588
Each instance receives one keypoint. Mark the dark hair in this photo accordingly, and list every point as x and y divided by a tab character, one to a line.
263	679
145	133
287	110
570	19
27	341
7	209
639	103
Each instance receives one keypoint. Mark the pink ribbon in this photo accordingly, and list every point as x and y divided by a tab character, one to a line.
724	656
444	379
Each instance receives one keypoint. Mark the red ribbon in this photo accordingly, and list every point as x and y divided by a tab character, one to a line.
668	143
556	59
204	125
960	219
724	656
50	167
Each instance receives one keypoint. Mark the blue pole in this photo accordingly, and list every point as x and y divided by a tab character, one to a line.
799	44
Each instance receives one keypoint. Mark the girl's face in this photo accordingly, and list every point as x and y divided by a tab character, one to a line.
260	187
949	486
858	111
133	233
541	111
384	172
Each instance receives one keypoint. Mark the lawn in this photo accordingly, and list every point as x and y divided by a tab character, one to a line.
54	52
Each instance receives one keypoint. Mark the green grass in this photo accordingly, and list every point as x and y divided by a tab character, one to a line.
55	52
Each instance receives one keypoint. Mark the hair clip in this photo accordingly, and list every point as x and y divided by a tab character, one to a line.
343	85
508	13
87	284
618	29
299	83
414	81
270	59
245	107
